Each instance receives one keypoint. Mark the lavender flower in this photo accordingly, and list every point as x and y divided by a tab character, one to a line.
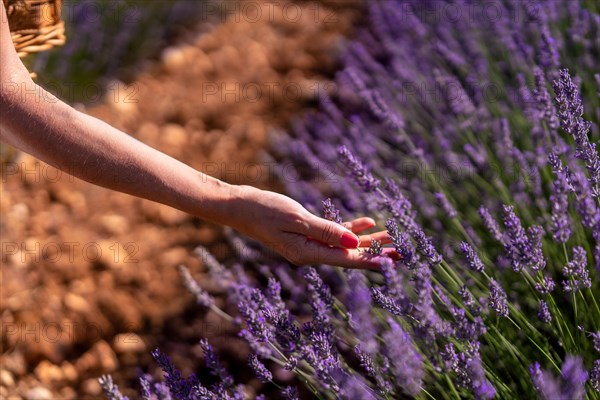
544	313
473	259
250	307
290	393
394	284
574	377
179	387
545	286
375	248
145	384
359	307
517	246
448	208
357	170
560	221
595	376
202	297
468	369
491	224
386	302
544	383
374	371
466	330
425	246
586	204
497	299
212	362
576	271
381	110
570	112
468	300
402	243
407	365
321	300
596	340
398	206
321	354
571	385
111	391
549	57
544	100
262	373
524	249
331	212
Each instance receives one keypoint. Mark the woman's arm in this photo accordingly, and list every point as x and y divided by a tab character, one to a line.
36	122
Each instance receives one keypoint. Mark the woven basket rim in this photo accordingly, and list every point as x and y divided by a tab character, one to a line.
31	39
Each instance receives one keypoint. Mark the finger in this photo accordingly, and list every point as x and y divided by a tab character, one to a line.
383	237
360	224
330	233
391	253
306	251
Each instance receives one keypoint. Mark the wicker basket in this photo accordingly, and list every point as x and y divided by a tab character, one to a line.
35	25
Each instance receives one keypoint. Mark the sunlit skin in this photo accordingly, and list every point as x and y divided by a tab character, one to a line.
34	121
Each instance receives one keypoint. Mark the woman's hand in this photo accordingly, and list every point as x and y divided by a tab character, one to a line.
285	226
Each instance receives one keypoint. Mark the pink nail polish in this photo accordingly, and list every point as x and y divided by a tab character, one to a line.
349	240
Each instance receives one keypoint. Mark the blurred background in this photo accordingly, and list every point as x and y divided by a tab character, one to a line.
89	277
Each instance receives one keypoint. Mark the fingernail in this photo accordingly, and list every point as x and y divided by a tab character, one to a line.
349	240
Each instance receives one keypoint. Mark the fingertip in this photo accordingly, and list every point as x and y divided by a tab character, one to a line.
349	240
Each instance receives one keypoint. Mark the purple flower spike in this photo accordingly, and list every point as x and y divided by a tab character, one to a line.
262	373
468	300
595	376
544	101
407	365
402	244
546	386
544	313
571	385
596	341
545	286
497	299
202	298
359	307
111	391
574	377
374	371
448	208
472	257
469	370
576	271
290	393
179	387
331	212
570	113
549	57
491	224
321	300
523	248
560	223
358	171
386	302
213	364
425	246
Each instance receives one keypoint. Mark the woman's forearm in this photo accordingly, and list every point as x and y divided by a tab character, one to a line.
40	124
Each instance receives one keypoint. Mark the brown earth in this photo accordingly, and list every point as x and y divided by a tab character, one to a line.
89	278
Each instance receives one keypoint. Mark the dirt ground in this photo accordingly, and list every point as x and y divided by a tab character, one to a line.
89	278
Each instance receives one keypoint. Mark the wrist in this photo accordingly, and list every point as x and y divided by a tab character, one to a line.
221	202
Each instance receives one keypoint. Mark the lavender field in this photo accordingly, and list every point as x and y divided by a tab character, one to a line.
470	133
